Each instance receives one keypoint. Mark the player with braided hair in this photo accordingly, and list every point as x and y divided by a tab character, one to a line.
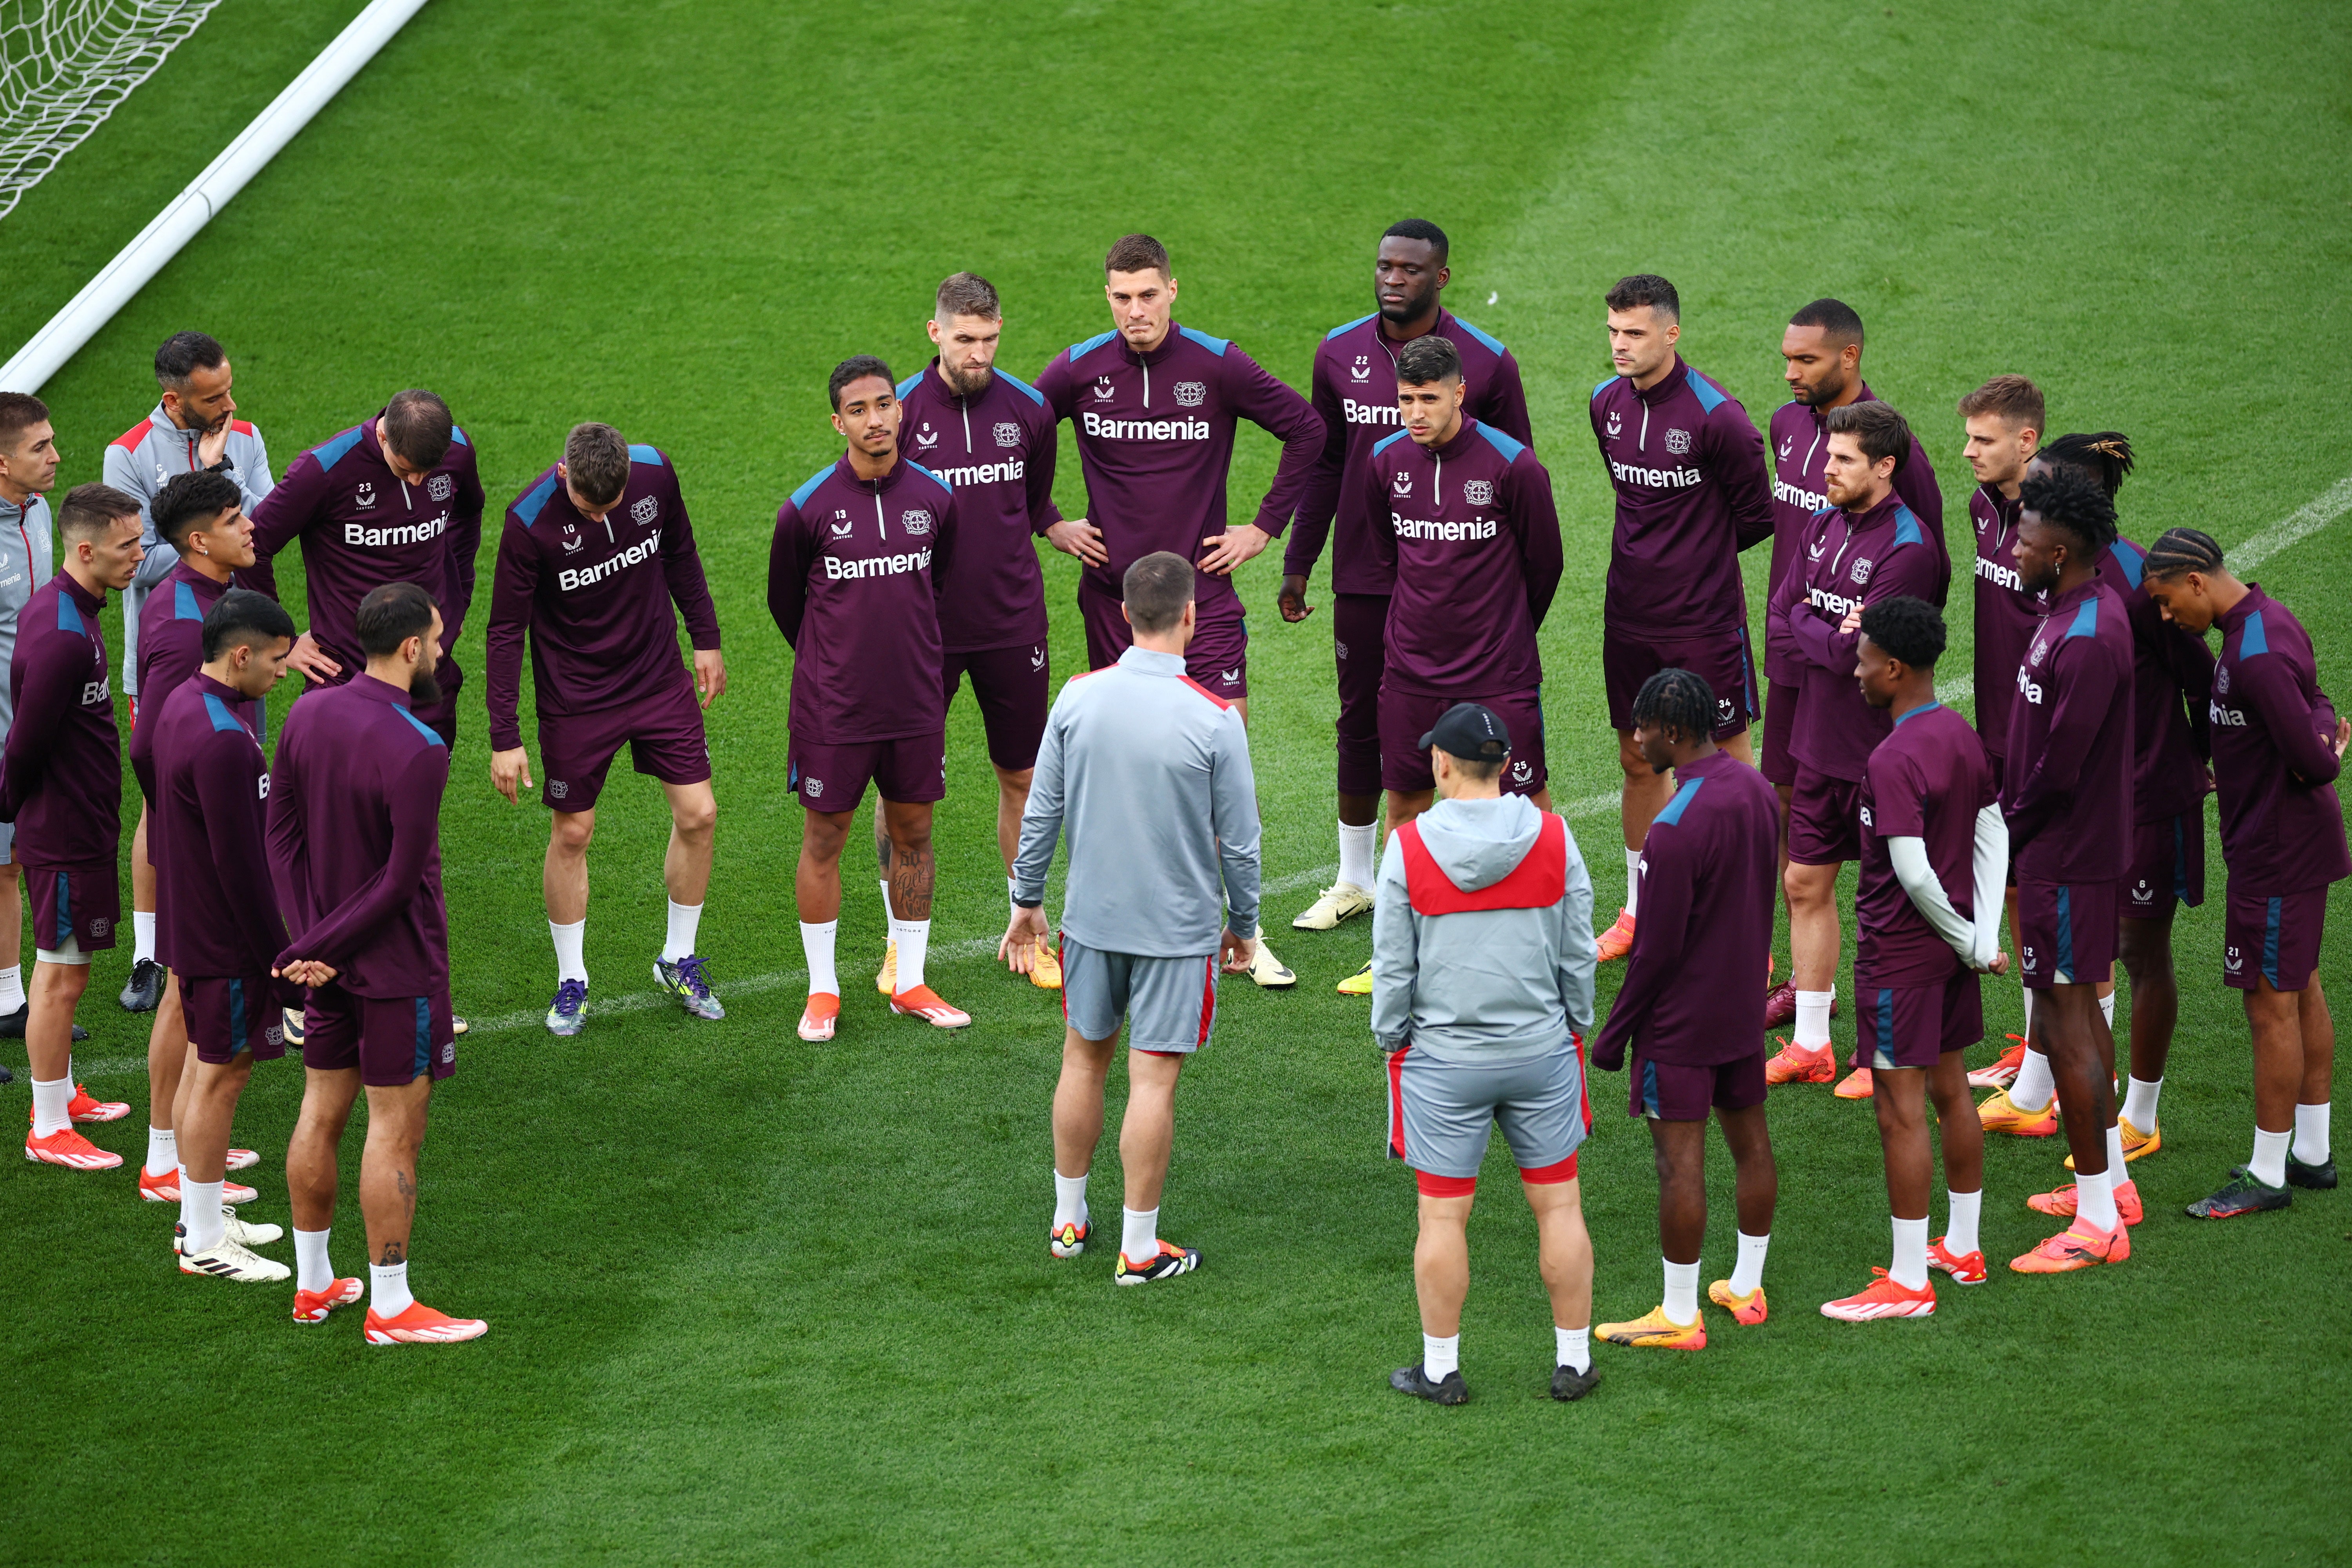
1707	881
2067	796
2277	747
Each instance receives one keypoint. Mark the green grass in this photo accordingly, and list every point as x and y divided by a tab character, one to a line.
759	1301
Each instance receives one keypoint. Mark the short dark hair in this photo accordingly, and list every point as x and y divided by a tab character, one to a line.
417	424
1646	288
242	617
1878	429
2105	455
1907	628
187	501
1677	699
855	368
1479	768
2180	549
2071	501
1422	230
184	353
19	411
1156	589
1840	320
2013	398
596	461
88	510
1426	359
967	294
1137	253
390	615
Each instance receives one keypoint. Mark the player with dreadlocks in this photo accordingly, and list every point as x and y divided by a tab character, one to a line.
2277	747
1707	875
2067	794
2172	677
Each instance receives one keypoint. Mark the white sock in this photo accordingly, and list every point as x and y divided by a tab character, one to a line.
1961	1235
816	947
1682	1291
2269	1163
1140	1238
142	935
1572	1348
2034	1086
200	1203
1355	855
2029	1016
914	940
1910	1270
1748	1272
2310	1134
1813	1017
50	1103
685	920
12	988
162	1151
1633	881
570	950
1440	1356
887	912
2139	1103
312	1269
388	1288
2095	1199
186	1214
1069	1200
2107	1010
2121	1177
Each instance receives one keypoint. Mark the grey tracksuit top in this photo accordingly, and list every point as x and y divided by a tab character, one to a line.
26	540
1481	987
141	461
1150	777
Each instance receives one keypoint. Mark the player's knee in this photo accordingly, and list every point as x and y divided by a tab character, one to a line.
573	831
694	818
1628	757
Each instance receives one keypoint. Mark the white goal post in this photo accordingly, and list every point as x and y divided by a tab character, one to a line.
46	353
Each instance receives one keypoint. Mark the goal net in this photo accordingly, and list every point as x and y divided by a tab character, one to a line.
65	65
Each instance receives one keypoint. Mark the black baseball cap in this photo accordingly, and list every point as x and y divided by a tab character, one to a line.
1470	731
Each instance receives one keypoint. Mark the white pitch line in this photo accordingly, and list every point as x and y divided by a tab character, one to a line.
2299	524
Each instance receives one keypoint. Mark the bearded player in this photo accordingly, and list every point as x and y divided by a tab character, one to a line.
1687	466
1354	389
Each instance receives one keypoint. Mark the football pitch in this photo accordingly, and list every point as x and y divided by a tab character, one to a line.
753	1299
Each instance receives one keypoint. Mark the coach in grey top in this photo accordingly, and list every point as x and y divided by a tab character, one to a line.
1149	776
1481	985
28	467
194	426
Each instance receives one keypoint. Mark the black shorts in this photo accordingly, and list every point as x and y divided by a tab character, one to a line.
1013	687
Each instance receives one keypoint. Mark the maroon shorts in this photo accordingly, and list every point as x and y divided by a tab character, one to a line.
1668	1092
2276	939
1778	765
2167	864
911	770
233	1014
1218	659
1912	1025
664	735
1013	687
1407	716
2065	933
1360	647
1824	819
78	904
1722	660
393	1040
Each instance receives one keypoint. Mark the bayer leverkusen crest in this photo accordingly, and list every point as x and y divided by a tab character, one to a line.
1478	492
1191	393
644	509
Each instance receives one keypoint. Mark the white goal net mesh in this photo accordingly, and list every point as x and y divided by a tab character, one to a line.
65	65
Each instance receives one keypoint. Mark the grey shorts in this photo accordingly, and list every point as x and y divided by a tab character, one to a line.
1439	1114
1168	1004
